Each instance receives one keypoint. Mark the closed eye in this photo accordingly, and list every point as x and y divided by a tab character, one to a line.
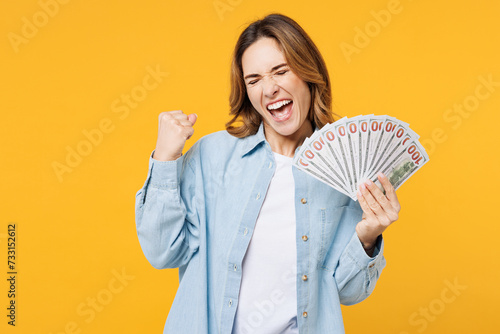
278	73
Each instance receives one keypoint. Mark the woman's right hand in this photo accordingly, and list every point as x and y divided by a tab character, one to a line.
174	128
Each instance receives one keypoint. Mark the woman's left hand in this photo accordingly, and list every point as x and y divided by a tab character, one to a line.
379	211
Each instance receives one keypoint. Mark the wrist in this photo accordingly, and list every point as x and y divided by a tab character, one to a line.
368	247
368	239
164	157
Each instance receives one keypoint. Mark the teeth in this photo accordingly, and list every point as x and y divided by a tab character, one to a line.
278	105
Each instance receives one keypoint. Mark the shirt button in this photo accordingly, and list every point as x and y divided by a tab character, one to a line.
235	267
246	231
303	201
258	196
230	302
304	237
304	314
270	164
304	277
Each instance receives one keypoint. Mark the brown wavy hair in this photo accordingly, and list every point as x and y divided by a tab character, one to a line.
303	58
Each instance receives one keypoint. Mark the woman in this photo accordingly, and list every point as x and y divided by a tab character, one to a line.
261	247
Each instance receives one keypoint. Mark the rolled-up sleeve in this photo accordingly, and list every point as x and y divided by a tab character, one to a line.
357	273
165	213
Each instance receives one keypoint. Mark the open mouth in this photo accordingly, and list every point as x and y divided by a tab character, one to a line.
281	111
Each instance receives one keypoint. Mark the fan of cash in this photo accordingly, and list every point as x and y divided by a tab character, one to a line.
349	151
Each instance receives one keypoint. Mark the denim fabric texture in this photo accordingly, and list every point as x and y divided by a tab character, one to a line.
197	213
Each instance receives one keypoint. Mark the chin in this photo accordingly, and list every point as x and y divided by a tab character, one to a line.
286	130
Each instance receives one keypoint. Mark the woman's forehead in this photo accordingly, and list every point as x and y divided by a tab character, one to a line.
262	56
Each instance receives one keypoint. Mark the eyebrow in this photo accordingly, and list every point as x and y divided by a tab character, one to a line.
273	69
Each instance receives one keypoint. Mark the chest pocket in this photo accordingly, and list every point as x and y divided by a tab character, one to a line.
337	226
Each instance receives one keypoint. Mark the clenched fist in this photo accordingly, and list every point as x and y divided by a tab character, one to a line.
174	128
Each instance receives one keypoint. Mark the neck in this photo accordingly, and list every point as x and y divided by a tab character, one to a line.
286	145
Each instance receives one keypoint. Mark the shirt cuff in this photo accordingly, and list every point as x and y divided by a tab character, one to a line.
165	174
357	253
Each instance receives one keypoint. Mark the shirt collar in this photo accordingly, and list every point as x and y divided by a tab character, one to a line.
259	137
252	141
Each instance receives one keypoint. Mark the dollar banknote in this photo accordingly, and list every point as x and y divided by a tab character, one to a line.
349	151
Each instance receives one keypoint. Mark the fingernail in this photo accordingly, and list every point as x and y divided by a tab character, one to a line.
380	174
358	193
363	186
368	182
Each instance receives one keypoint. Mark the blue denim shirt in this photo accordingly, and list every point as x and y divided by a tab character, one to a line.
198	213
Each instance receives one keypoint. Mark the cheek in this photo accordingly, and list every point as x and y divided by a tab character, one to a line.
305	94
254	100
301	88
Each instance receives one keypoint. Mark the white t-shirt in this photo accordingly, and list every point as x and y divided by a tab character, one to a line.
267	302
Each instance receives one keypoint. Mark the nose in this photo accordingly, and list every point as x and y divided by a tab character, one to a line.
269	86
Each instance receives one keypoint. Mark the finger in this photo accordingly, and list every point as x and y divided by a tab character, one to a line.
164	114
383	215
379	196
390	208
171	122
192	118
174	112
390	192
189	132
168	118
374	218
185	122
180	115
370	200
367	211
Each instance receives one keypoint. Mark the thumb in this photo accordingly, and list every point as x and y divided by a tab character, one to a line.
192	118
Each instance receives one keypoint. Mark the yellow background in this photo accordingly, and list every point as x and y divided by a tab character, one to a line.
76	233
